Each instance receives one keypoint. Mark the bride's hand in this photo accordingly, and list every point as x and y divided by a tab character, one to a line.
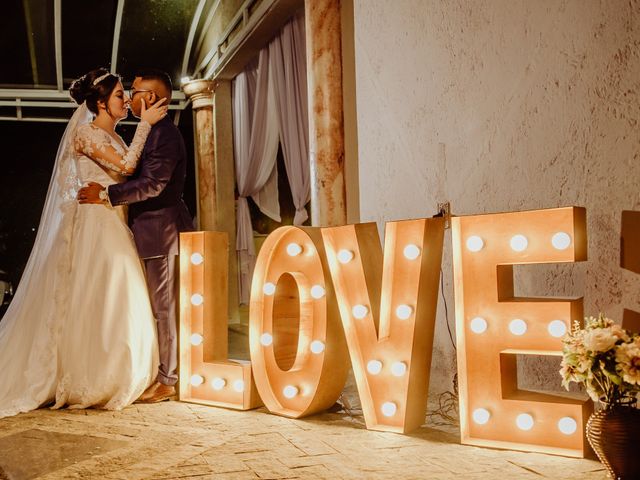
154	113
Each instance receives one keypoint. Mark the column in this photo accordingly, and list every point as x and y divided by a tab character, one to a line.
201	94
211	103
326	124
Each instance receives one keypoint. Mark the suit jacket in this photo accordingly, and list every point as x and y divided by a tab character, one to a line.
157	212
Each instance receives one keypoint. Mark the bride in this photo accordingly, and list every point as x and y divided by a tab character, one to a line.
80	331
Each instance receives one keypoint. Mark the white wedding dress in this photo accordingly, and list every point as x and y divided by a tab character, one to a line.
80	331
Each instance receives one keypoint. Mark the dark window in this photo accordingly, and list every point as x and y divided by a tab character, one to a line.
87	36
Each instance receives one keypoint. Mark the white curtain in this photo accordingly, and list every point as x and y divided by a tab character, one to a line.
288	79
255	138
270	107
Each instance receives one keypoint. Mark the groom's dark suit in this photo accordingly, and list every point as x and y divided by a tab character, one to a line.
157	214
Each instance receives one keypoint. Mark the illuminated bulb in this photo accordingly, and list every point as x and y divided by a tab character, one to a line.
519	243
197	258
481	416
196	299
567	425
184	80
294	249
345	256
359	311
266	339
290	391
317	346
475	243
196	380
518	327
557	328
238	386
218	383
268	288
374	367
196	339
389	409
478	325
398	369
317	292
524	421
411	252
561	241
404	311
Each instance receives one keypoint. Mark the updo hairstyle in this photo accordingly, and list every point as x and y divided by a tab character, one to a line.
83	89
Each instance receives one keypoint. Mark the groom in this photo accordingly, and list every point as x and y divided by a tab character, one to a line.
157	214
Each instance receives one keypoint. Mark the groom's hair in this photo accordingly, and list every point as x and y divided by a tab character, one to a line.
159	76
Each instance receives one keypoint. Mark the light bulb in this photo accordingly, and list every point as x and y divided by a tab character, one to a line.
404	311
389	409
317	346
557	328
518	326
345	256
294	249
475	243
374	367
196	380
197	258
478	325
184	80
481	416
290	391
196	339
398	369
561	241
268	288
359	311
519	243
411	252
317	292
238	386
567	425
218	383
266	339
524	421
196	299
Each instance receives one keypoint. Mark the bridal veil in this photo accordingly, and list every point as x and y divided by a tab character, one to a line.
29	330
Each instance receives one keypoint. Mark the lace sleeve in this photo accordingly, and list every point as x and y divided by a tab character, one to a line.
98	145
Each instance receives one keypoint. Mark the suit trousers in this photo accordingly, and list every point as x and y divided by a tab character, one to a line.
162	284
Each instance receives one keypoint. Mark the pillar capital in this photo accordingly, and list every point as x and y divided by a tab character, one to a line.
200	92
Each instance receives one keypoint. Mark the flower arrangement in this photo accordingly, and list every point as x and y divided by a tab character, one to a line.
605	358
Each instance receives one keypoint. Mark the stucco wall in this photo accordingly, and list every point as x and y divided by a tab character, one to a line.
504	105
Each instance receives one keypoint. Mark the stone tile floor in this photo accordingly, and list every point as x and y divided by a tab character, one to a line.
175	440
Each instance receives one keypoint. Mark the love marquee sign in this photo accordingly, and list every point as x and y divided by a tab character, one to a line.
323	296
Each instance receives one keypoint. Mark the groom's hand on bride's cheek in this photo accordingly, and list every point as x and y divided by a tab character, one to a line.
90	193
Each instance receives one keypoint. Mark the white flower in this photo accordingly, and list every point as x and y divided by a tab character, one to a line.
628	361
599	340
621	333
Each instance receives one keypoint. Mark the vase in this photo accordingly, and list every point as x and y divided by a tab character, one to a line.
614	434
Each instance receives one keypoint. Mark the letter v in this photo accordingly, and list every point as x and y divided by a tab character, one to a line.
388	309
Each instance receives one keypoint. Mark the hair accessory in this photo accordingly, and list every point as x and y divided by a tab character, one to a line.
100	78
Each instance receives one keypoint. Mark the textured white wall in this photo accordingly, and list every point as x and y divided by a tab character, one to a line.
503	105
